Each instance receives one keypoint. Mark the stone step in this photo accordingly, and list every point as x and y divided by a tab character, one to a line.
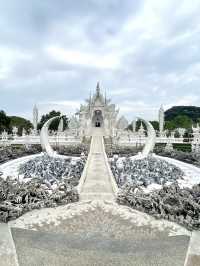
52	249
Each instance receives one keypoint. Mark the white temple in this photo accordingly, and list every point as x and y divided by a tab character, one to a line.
97	112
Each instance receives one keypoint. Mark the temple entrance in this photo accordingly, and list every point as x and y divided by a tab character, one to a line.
97	119
97	124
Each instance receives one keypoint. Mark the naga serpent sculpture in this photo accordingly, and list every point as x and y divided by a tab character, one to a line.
151	139
44	138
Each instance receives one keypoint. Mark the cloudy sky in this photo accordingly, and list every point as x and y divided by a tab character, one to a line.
144	53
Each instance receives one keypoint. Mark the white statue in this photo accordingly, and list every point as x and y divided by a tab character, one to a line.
181	132
14	131
172	134
4	135
169	147
23	132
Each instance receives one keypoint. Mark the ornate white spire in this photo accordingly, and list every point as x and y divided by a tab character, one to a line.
161	118
134	125
98	89
61	125
35	117
141	128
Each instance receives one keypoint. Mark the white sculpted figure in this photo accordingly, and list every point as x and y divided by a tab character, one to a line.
14	131
151	138
44	137
4	135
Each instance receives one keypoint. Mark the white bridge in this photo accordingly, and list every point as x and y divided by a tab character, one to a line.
97	181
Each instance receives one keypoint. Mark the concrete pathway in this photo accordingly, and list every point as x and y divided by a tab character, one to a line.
8	256
54	249
98	182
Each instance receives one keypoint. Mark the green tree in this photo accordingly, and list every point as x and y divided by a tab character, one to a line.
155	124
183	121
20	123
130	127
55	123
4	121
170	125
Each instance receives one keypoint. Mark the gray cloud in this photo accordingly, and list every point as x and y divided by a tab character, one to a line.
143	53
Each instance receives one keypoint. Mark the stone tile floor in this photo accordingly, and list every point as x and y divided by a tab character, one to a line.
97	233
66	249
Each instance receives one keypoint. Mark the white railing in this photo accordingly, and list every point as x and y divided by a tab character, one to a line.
72	140
137	141
30	140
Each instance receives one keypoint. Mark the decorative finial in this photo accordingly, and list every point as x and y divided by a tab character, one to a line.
98	89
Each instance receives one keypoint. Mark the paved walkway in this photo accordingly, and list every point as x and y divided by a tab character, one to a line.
193	254
98	183
36	248
97	233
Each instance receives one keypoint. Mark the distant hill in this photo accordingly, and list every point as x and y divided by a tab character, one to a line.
193	112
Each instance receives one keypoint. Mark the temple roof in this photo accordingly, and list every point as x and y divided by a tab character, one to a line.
98	98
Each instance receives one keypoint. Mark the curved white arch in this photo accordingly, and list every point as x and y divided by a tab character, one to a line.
44	137
151	138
